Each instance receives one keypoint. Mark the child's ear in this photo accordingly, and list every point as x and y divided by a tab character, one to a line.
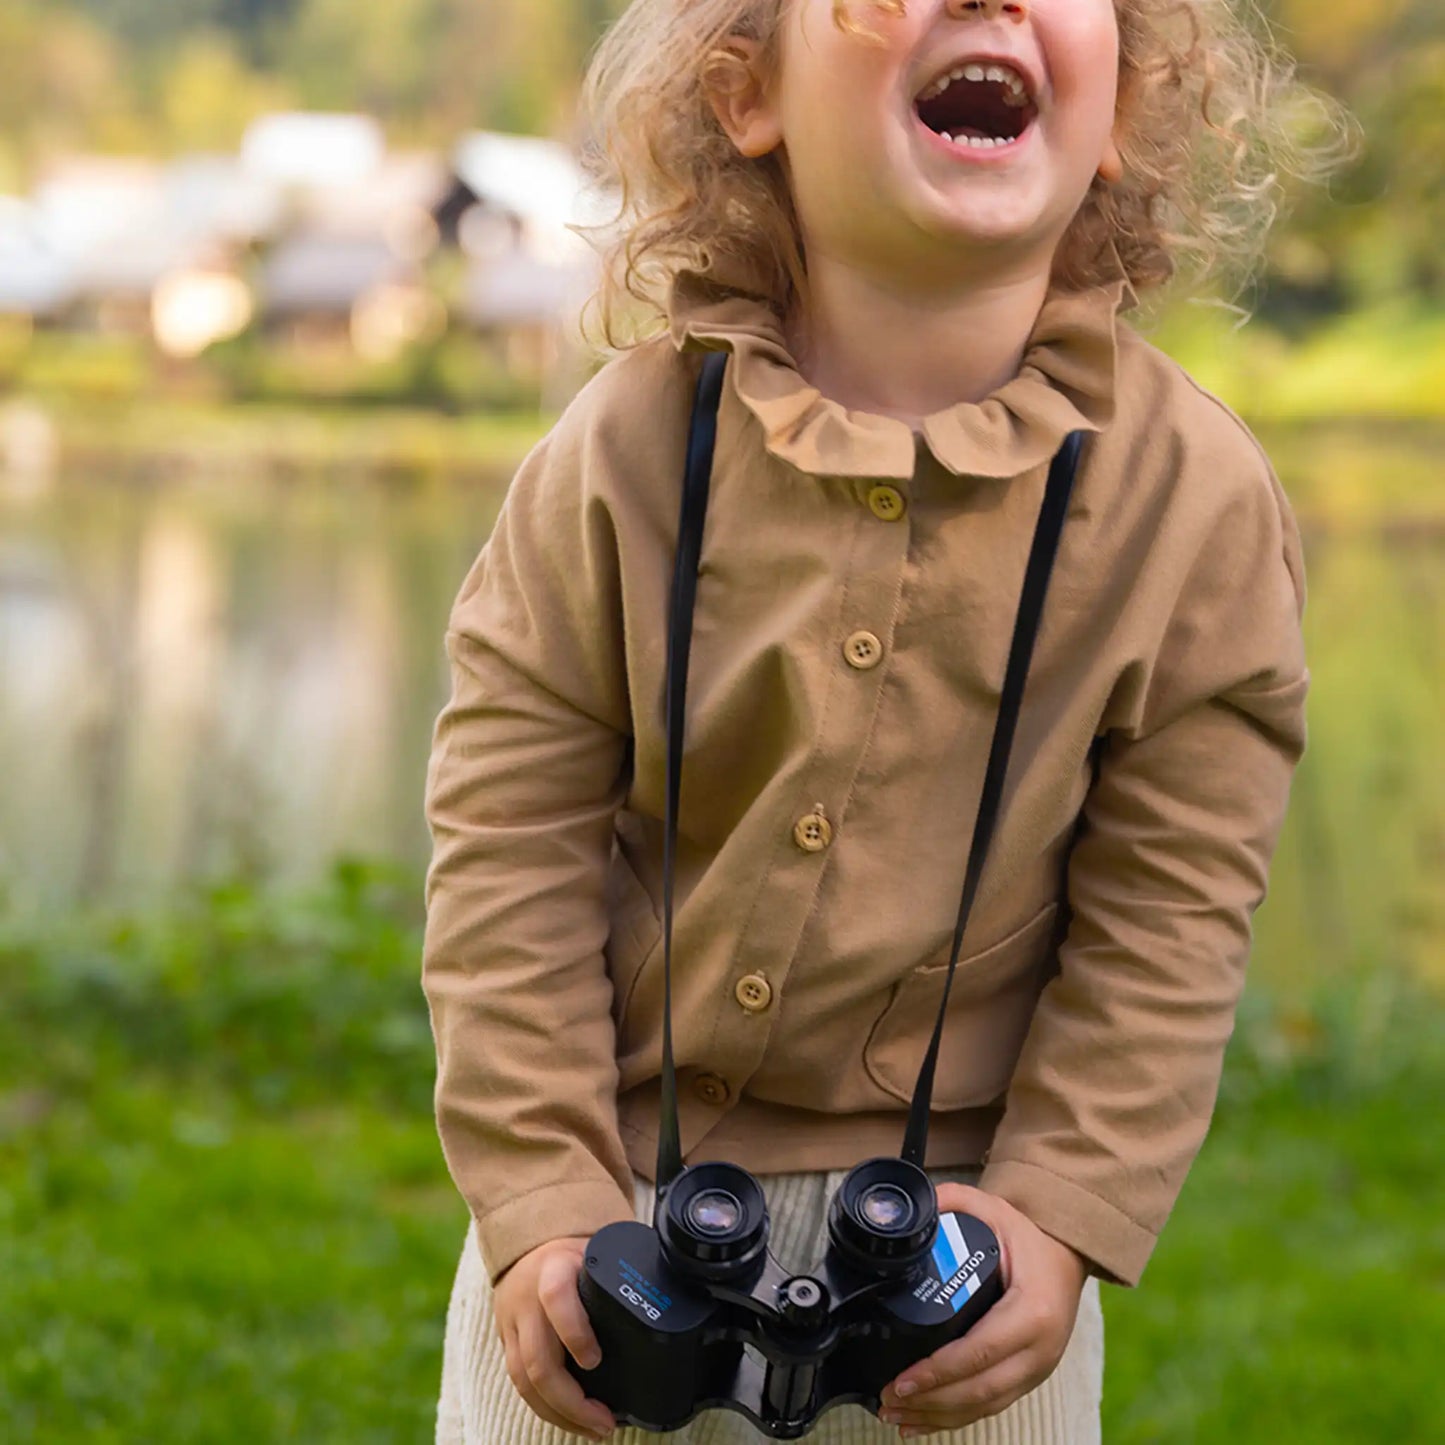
1111	168
739	95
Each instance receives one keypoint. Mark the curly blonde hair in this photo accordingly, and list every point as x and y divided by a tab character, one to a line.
1210	115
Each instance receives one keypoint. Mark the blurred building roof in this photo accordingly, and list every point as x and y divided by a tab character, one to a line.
106	219
35	280
396	203
313	148
211	198
537	180
88	203
404	181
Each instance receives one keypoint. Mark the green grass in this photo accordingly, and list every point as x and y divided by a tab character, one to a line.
224	1215
1298	1292
179	1269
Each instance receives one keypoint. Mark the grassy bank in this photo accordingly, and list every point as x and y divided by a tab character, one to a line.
151	439
455	413
223	1214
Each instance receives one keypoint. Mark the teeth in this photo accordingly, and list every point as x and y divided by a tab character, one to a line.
977	142
1000	74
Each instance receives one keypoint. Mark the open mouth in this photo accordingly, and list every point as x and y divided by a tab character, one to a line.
979	105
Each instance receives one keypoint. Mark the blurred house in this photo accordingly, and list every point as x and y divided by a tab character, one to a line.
526	275
320	288
216	202
349	263
323	236
129	245
220	214
103	218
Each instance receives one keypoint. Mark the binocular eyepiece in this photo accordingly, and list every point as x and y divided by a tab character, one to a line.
884	1216
713	1222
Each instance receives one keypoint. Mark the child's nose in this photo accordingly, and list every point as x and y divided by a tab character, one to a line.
988	9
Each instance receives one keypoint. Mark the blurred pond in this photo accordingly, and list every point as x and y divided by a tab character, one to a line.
199	676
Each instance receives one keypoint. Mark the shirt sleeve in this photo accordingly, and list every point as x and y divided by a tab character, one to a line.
528	768
1117	1081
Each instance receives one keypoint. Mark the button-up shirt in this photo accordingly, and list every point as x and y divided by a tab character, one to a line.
858	587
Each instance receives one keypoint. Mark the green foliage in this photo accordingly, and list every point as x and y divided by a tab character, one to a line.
1387	361
458	373
282	1002
1374	234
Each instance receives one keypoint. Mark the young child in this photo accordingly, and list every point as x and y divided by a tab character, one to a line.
912	225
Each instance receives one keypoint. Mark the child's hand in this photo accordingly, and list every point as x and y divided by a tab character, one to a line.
1015	1347
538	1312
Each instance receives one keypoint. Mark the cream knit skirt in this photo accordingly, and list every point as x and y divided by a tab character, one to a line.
479	1406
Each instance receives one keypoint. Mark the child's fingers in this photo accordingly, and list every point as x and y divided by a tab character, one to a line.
557	1289
562	1400
964	1401
1007	1329
523	1384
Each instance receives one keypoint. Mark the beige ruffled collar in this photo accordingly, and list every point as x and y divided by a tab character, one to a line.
1065	383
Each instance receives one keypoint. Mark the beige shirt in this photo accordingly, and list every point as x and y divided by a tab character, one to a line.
858	588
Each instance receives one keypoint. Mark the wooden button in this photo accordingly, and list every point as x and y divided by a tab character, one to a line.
813	832
863	651
754	993
888	504
711	1089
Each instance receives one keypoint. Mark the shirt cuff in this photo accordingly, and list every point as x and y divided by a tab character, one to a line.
552	1211
1115	1247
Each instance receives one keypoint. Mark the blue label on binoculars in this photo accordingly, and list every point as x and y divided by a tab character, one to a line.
652	1301
955	1263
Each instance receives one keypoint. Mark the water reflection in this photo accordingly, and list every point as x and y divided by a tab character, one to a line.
193	680
199	677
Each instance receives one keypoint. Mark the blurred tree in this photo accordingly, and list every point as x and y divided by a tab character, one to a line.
209	95
144	23
65	88
377	58
1375	232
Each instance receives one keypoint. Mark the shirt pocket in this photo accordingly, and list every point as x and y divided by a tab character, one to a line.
633	934
990	1007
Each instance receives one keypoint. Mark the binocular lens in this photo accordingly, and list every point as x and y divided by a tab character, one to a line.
714	1211
884	1215
713	1222
886	1207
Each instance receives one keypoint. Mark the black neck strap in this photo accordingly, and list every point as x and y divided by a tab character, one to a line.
702	437
701	442
1026	630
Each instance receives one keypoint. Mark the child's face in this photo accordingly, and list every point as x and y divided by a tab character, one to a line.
876	186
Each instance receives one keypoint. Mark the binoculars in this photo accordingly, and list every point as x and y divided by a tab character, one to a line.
695	1313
